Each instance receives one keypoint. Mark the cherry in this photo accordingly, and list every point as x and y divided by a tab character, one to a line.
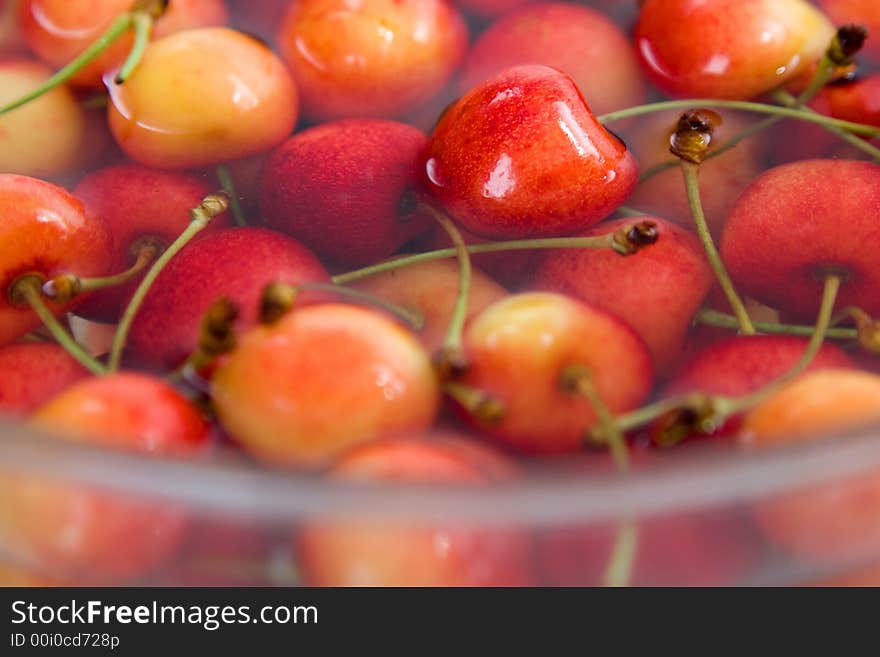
11	41
576	40
348	209
60	30
825	521
374	58
45	231
201	97
522	155
236	263
656	291
800	222
323	378
722	178
373	553
90	535
735	49
43	138
33	373
142	208
522	350
432	288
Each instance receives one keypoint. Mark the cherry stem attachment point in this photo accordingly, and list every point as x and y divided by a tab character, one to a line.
479	404
211	206
692	185
64	287
626	241
227	183
28	290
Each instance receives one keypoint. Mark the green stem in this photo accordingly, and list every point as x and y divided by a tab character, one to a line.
692	185
618	572
626	211
224	175
598	242
745	106
28	289
709	317
119	26
142	24
213	205
452	343
67	286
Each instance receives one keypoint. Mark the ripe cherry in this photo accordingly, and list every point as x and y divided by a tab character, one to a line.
33	373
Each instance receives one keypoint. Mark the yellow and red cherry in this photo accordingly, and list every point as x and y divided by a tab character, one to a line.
203	97
521	155
321	379
372	553
524	352
43	138
90	534
735	49
371	58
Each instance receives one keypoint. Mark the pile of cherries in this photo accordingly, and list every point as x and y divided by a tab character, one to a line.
386	240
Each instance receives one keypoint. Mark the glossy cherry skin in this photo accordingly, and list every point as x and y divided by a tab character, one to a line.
839	519
519	349
59	30
656	291
728	48
370	58
577	40
323	378
432	289
45	231
44	137
236	263
348	209
33	373
799	221
521	155
138	203
365	553
90	534
201	97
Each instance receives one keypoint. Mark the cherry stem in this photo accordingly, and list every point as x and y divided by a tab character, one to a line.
28	289
211	206
142	25
66	286
745	106
224	175
122	23
618	572
452	343
710	317
479	404
867	328
720	408
626	241
628	212
866	147
692	185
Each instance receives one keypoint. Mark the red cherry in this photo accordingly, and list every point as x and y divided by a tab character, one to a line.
377	58
11	41
365	553
137	204
656	291
729	48
348	209
90	534
521	155
520	349
45	231
59	30
201	97
236	263
577	40
323	378
798	222
33	373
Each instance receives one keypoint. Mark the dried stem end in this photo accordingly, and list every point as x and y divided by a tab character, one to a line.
480	405
693	134
217	335
277	300
632	239
699	417
451	364
846	44
153	8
